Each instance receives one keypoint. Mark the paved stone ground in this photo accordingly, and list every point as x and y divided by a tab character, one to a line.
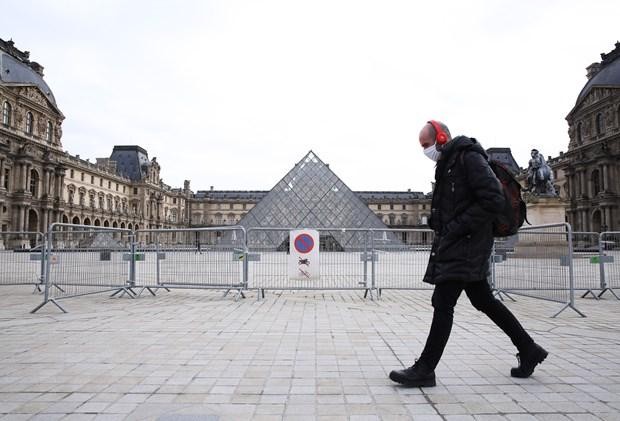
193	355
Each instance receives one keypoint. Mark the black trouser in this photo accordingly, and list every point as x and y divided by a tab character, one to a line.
479	293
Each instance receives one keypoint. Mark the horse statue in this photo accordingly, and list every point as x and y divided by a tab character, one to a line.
539	176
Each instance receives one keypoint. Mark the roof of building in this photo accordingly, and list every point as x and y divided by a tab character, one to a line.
16	68
369	196
131	161
608	74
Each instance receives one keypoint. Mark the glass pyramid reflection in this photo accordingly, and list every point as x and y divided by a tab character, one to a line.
311	196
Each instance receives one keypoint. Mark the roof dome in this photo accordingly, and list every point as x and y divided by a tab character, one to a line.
17	69
603	74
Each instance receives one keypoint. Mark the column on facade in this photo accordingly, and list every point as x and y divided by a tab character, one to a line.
28	175
607	217
21	218
44	219
61	184
583	185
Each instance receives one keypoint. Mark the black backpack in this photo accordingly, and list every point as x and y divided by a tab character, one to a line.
513	214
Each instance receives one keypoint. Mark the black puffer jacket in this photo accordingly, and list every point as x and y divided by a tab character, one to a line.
467	196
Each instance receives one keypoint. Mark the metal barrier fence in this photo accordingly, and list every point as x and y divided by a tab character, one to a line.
548	262
586	267
539	264
401	264
83	259
21	259
609	260
202	258
345	254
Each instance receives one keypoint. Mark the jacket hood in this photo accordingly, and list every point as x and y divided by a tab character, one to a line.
461	143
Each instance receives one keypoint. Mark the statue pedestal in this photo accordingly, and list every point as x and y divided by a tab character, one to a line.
545	210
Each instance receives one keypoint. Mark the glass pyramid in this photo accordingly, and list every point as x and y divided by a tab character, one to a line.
311	196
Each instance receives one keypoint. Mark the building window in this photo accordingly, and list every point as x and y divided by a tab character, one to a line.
100	202
48	132
231	206
81	176
7	176
92	201
579	134
135	190
29	119
6	114
596	182
116	186
71	174
391	206
92	179
174	200
600	124
81	199
124	189
34	183
100	182
404	207
392	218
379	207
109	184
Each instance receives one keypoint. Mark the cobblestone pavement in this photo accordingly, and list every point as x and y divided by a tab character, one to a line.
193	355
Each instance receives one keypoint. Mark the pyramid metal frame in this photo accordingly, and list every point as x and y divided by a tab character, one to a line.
310	195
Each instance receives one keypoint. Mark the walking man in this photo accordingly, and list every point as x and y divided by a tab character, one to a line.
466	197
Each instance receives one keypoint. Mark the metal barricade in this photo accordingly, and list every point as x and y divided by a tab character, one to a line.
539	265
401	264
191	258
609	261
344	257
84	259
21	259
586	267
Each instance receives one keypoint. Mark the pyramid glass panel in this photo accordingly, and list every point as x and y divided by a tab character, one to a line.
311	196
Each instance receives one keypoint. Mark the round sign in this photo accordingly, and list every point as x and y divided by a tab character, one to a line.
304	243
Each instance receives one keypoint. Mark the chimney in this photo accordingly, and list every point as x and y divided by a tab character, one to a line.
211	188
592	70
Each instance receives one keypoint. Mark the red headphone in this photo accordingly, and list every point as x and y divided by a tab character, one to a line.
441	137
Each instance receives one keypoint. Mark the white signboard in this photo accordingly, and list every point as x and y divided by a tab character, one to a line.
303	261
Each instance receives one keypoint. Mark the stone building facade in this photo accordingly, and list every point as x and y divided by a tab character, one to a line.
588	174
41	184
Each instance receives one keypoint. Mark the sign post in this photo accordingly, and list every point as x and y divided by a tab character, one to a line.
303	263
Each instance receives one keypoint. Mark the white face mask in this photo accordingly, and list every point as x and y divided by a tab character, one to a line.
432	153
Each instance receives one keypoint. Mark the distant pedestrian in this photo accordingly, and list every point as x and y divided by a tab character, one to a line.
198	249
466	197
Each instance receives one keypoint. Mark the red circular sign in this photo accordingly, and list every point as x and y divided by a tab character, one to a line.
304	243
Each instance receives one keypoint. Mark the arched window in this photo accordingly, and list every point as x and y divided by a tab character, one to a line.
600	124
579	134
6	114
29	120
34	183
596	182
49	132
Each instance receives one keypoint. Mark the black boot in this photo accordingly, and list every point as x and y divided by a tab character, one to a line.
418	375
528	361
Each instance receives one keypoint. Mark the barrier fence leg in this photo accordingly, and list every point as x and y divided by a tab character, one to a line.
571	279
46	276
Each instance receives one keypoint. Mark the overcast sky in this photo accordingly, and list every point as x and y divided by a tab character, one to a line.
232	94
